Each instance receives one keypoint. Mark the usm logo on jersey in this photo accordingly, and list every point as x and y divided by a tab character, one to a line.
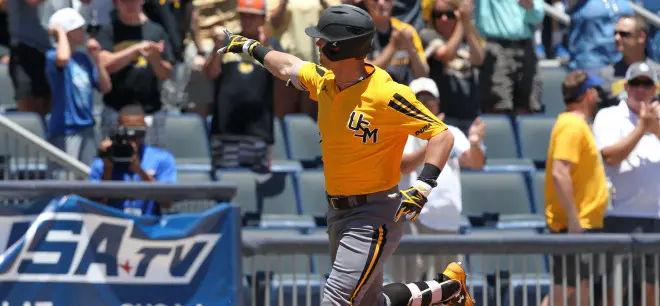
358	124
68	247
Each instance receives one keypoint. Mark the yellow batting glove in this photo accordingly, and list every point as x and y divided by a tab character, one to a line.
412	200
238	44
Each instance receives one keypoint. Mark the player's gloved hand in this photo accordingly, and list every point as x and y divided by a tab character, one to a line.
238	44
412	200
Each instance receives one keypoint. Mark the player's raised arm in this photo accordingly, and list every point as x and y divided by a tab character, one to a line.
280	64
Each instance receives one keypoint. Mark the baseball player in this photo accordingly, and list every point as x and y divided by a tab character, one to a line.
364	120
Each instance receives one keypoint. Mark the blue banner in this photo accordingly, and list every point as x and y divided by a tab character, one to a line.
70	251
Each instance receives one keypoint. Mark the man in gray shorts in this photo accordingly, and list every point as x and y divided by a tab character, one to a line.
364	121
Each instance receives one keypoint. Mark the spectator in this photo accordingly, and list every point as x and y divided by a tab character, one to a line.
576	191
288	19
98	12
454	52
441	214
397	47
590	41
627	136
630	37
72	75
28	20
4	33
125	157
242	125
137	54
410	12
654	32
509	81
557	35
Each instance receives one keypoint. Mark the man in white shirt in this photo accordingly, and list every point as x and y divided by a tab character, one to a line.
628	137
441	214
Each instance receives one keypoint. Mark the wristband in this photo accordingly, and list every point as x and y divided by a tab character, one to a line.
259	52
429	174
423	188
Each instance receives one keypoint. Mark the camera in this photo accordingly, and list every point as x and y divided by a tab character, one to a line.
121	151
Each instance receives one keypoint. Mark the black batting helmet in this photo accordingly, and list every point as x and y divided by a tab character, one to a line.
348	31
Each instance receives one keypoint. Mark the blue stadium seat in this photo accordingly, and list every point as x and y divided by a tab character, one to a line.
279	147
312	193
534	132
6	89
539	192
185	137
505	194
551	96
192	206
303	138
267	200
500	140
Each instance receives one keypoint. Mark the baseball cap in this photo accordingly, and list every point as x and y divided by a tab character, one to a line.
67	18
591	82
425	85
641	69
252	7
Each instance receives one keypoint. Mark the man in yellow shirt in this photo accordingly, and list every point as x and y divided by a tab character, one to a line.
364	121
576	190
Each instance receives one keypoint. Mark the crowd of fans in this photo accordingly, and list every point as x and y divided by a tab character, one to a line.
462	58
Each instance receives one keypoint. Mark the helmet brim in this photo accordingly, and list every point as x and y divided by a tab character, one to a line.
314	33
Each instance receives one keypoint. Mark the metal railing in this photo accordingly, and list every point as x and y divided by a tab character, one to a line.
186	197
564	19
25	155
504	268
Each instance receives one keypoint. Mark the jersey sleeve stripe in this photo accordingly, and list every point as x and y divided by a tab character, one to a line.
375	252
408	113
414	109
320	71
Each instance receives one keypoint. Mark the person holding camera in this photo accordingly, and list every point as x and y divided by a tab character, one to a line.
125	157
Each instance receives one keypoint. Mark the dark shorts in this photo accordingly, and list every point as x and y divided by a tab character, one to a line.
27	69
627	225
575	266
239	151
509	79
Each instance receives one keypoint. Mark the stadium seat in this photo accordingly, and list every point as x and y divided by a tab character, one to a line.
500	140
312	194
266	200
279	147
534	132
280	160
246	192
551	97
192	206
509	164
185	137
505	194
6	89
276	193
539	192
303	135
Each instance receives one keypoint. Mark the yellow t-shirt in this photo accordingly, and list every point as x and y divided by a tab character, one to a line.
364	128
571	140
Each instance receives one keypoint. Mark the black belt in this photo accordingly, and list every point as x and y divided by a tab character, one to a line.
348	202
508	43
341	203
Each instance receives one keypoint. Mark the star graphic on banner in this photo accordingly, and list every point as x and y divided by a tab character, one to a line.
126	266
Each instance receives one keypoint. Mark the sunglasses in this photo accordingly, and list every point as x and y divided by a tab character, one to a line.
641	83
439	14
623	34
